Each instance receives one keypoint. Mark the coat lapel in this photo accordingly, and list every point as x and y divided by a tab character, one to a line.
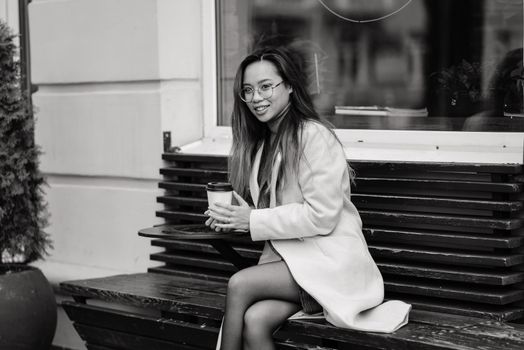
253	181
274	174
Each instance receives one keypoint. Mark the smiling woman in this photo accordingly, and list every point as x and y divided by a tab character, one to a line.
401	59
289	165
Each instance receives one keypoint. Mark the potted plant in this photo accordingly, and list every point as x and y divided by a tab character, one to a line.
459	89
27	302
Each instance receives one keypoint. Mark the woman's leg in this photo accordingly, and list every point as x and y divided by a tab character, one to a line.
262	319
246	287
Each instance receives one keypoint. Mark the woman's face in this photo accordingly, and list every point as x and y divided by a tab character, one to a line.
260	76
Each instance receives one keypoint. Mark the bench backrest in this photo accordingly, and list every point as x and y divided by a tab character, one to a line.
446	236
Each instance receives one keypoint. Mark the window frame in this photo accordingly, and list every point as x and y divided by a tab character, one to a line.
398	145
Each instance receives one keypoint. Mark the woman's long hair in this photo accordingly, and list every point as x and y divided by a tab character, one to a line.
249	132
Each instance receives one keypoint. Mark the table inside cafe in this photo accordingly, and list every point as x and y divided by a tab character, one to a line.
200	232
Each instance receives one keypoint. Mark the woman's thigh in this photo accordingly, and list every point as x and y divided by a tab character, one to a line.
266	281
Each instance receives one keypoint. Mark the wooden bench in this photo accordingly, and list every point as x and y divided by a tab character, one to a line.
447	238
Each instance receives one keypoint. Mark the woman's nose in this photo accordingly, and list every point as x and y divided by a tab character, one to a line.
257	96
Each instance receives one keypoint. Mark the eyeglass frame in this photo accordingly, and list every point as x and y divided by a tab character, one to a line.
273	87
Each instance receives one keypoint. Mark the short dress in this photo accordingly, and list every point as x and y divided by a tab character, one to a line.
308	303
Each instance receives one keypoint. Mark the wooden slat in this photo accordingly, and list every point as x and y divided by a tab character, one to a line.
444	333
175	331
474	325
451	273
203	275
204	248
180	215
198	158
449	257
177	200
370	217
195	172
462	308
180	186
399	183
154	291
365	201
434	238
193	261
455	291
122	340
390	166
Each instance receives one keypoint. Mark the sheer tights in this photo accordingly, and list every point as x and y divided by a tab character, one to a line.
259	299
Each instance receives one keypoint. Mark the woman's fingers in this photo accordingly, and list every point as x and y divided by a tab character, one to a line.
217	217
212	223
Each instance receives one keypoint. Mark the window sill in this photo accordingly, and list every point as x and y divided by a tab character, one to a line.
417	146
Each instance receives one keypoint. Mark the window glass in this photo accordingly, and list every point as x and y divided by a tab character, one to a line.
389	64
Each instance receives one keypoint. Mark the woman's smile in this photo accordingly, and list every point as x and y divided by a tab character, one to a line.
261	109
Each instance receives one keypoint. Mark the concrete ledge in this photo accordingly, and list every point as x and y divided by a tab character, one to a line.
57	272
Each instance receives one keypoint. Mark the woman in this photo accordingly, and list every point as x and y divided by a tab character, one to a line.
315	257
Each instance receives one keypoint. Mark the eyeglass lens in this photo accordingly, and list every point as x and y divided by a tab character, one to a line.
265	91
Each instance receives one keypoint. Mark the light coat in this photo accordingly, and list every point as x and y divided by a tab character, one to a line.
316	229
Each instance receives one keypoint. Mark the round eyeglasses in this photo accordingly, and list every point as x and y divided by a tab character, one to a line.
265	91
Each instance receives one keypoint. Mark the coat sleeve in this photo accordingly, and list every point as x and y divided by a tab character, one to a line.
321	173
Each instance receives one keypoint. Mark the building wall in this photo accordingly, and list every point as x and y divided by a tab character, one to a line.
9	13
112	76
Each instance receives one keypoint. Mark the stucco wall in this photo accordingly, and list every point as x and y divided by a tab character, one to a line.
112	75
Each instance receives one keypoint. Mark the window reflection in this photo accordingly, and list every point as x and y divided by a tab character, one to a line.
435	65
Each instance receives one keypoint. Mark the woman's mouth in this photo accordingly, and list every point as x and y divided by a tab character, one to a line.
261	108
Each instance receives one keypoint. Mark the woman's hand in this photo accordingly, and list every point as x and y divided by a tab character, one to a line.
230	217
212	223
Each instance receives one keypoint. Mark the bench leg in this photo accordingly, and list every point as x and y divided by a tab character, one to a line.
229	253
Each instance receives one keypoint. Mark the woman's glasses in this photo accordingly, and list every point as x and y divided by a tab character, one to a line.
265	91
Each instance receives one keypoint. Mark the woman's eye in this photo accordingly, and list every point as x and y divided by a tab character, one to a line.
247	91
265	87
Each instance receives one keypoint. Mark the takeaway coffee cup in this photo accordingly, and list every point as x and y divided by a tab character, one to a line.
219	192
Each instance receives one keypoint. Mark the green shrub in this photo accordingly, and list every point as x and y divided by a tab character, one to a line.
23	213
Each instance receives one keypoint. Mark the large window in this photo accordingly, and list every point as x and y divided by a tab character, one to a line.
430	65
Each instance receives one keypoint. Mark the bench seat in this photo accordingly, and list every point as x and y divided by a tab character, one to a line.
447	237
189	311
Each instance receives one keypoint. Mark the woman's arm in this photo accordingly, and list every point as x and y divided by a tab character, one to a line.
323	178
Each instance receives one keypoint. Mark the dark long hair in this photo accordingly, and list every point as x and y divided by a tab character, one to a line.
249	132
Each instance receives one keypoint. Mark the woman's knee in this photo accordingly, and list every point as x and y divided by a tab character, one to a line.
257	324
238	284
